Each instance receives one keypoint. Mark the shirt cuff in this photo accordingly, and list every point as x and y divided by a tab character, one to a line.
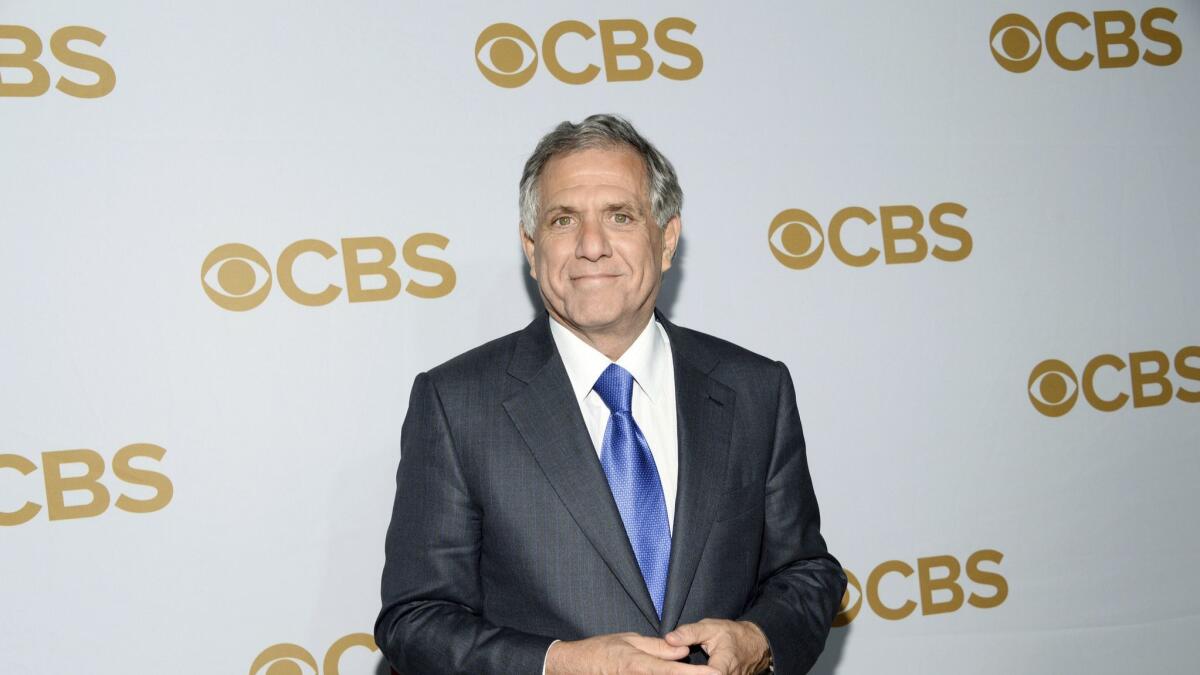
547	656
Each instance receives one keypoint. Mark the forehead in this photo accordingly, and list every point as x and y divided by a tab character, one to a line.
617	167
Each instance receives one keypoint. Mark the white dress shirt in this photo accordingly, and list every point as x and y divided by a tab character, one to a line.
648	359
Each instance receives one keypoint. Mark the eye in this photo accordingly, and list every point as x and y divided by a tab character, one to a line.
506	55
562	222
1015	43
236	277
1053	388
281	659
795	238
621	218
851	601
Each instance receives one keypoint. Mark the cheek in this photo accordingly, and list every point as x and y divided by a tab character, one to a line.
642	259
551	267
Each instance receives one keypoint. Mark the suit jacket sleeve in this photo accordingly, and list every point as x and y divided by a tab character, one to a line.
431	617
800	585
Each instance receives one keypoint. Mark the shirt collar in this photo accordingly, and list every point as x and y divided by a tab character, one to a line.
644	359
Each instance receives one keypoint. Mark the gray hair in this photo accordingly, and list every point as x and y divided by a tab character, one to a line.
601	131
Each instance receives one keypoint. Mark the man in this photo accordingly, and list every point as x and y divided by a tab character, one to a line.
604	491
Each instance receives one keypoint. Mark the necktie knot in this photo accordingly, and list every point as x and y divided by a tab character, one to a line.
615	386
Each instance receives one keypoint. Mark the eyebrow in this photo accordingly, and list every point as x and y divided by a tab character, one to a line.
623	206
561	208
556	209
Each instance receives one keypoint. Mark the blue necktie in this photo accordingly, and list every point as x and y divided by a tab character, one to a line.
633	479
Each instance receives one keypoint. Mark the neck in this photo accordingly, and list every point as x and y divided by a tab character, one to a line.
611	341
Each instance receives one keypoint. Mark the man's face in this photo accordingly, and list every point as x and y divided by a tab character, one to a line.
597	254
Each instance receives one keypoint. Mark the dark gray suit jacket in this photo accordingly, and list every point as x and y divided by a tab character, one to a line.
505	537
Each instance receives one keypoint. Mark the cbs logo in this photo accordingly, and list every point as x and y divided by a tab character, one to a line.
1017	44
508	57
1053	387
58	485
286	658
797	241
238	277
944	583
60	46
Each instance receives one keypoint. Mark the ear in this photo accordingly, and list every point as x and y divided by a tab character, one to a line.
527	245
670	236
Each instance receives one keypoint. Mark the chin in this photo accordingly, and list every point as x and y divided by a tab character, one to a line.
594	317
593	321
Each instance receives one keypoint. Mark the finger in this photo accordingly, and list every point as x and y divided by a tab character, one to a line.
690	634
685	669
658	648
673	668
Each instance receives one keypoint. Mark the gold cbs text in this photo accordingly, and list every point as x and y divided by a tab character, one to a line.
1053	387
935	574
60	46
1017	43
57	485
237	277
508	57
797	239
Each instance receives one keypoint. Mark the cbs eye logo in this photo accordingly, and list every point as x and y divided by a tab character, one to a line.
937	587
36	81
797	240
242	277
1053	387
287	658
237	277
508	56
1017	44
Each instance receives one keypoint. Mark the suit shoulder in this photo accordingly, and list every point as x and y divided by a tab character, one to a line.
493	355
725	351
757	380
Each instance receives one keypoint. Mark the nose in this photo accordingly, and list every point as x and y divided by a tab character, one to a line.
593	241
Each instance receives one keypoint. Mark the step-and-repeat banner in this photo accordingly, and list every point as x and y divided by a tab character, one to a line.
234	232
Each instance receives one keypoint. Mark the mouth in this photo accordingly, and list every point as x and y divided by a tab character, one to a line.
593	277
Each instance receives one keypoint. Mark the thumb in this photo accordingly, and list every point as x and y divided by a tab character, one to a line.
687	635
659	649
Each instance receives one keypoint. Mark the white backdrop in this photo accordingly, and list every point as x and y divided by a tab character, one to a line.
245	533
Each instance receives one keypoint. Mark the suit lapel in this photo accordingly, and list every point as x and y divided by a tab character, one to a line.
704	414
547	416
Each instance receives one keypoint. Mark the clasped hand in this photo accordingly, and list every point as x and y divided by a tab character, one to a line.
733	648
